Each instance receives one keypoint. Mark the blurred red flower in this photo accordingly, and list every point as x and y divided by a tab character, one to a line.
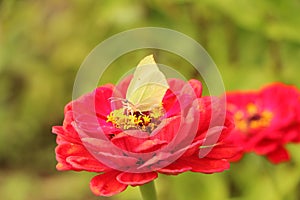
187	134
266	120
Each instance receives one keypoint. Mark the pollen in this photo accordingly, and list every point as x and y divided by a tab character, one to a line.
145	121
252	118
135	119
240	122
110	118
264	120
252	109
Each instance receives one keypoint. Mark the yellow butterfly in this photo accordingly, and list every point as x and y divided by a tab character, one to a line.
147	87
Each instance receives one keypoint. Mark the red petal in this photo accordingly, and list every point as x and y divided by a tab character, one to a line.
175	168
237	157
102	102
69	149
266	146
121	88
213	113
150	145
96	103
279	155
240	99
67	134
223	151
171	104
176	85
135	179
168	129
206	165
109	154
63	166
68	107
274	98
76	157
197	86
128	142
87	164
106	184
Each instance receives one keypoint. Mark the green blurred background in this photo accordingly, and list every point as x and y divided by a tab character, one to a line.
43	43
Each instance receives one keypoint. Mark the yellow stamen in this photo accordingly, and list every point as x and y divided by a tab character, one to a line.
239	115
242	125
252	109
110	118
146	121
252	118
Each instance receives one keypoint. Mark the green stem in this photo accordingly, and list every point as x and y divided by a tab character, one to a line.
148	191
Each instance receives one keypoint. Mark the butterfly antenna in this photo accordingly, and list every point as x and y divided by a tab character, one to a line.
113	99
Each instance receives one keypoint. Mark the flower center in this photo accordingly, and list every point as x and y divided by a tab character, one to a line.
252	118
145	121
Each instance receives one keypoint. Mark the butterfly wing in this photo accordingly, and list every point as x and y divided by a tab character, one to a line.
148	85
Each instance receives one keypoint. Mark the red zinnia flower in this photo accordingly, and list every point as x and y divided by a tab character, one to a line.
266	120
185	133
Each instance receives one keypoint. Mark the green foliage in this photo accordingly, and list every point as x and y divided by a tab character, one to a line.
43	43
